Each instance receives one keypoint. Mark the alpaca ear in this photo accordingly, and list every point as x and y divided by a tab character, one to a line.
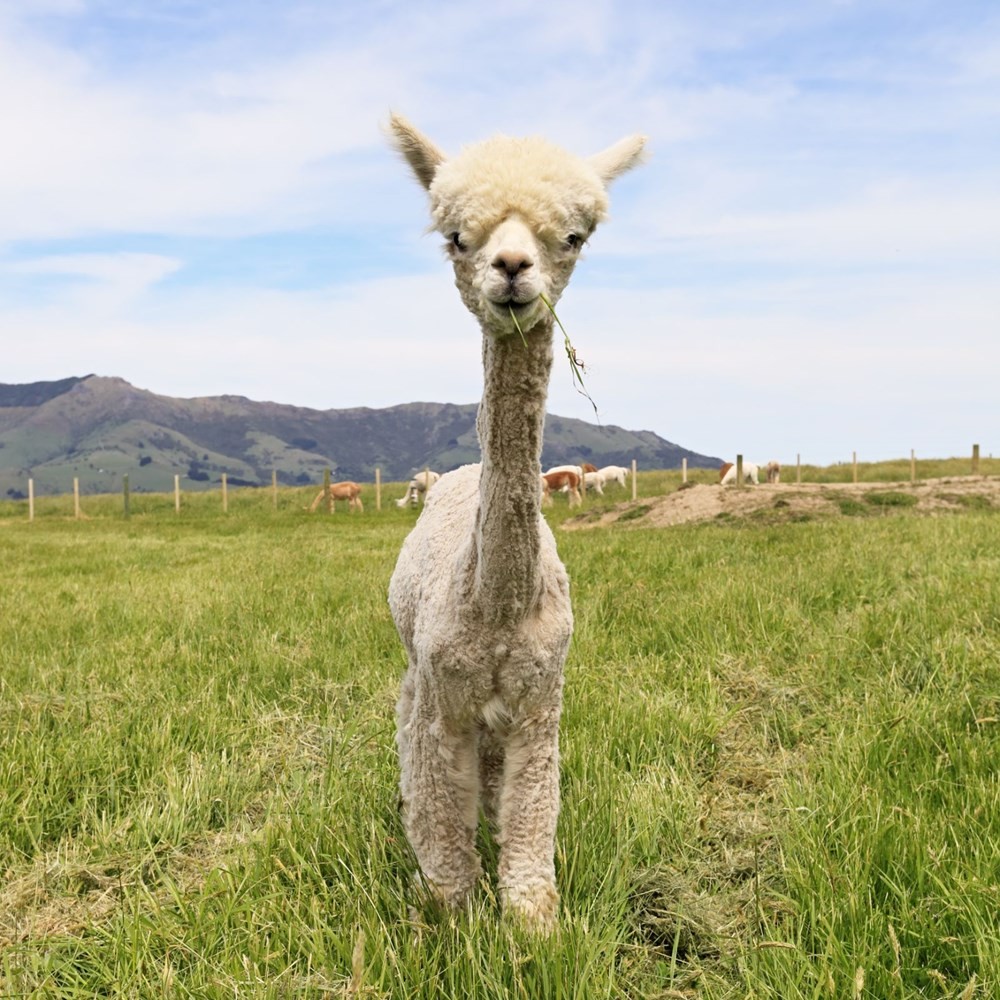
616	159
422	155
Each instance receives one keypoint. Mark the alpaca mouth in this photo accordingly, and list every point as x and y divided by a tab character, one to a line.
509	307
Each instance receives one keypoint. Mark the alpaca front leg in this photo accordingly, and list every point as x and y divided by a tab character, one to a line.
440	789
529	808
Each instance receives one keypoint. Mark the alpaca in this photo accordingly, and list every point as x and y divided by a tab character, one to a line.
614	474
562	481
479	595
419	485
773	470
727	473
351	492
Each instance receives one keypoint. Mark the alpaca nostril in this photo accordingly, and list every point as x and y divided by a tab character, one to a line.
511	262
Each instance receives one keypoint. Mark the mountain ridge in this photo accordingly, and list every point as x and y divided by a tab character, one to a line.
97	428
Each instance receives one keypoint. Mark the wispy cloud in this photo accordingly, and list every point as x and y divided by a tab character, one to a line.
816	224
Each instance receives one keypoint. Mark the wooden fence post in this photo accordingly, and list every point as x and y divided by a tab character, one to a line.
76	498
378	488
684	470
326	490
798	469
31	499
177	494
274	488
126	497
854	464
225	495
975	459
739	470
635	485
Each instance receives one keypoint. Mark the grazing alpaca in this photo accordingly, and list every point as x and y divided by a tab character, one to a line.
773	470
564	481
419	485
479	596
351	492
727	473
614	474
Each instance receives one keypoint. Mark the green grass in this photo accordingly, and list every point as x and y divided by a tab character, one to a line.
779	747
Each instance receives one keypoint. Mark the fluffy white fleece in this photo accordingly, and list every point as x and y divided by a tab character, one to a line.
479	595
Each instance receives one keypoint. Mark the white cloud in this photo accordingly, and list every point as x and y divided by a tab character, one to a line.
809	256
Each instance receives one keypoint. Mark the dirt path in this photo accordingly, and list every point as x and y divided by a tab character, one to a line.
791	502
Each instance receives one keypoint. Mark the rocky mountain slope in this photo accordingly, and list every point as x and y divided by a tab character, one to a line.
96	429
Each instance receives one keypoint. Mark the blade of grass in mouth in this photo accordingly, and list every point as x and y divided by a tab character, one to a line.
575	365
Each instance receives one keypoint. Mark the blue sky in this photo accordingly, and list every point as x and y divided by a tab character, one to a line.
199	198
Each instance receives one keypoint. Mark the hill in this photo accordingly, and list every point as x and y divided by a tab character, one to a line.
96	429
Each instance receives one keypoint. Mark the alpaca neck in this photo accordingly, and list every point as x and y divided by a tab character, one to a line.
510	422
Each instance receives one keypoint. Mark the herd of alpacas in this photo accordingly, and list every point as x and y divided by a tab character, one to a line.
559	479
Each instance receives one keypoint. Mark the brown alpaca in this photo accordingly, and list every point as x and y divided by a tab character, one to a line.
561	481
351	492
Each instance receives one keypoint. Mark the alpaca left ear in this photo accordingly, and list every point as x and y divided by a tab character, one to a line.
616	159
422	155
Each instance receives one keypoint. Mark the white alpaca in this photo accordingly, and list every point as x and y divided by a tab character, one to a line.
773	470
751	473
419	485
479	596
614	474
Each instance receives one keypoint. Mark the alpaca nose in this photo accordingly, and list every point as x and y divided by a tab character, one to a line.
513	262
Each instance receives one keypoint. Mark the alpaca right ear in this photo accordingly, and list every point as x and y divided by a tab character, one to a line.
422	155
616	159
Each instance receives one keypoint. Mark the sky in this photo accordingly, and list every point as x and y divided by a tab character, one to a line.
199	197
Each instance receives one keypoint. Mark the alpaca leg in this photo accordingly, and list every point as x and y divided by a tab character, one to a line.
439	786
529	807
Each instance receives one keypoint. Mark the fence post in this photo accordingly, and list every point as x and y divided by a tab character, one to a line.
76	498
225	495
635	485
326	490
975	459
739	470
684	470
31	499
177	493
378	488
274	488
798	469
854	464
126	497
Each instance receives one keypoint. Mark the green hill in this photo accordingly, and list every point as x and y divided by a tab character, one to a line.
96	429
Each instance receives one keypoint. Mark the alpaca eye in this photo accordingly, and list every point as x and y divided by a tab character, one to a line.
456	242
574	241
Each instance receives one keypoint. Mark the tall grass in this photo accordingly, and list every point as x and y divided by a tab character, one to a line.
779	776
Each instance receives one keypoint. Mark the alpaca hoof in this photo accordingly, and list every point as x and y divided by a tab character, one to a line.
447	896
535	906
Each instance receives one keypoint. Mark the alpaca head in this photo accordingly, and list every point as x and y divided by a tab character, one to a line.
515	214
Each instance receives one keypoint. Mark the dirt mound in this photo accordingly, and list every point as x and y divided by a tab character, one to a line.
776	503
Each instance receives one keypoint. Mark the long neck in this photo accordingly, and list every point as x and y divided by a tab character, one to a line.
510	421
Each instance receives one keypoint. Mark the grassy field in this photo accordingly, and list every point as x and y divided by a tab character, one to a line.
780	761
